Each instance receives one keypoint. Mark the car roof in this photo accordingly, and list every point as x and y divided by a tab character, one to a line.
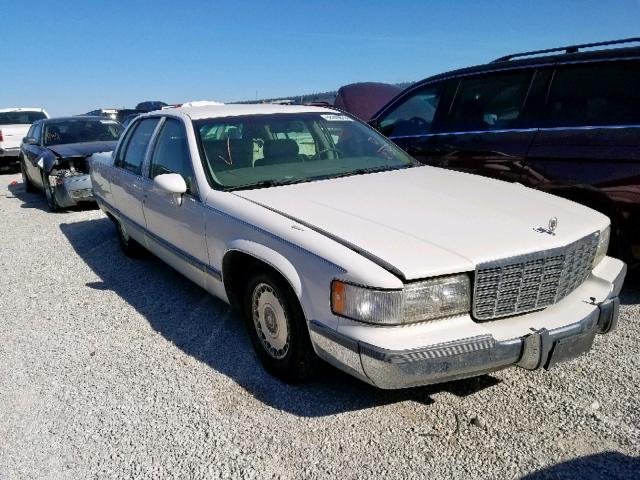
214	111
77	117
541	60
21	109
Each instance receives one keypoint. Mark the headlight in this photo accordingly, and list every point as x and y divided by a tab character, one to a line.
603	245
416	302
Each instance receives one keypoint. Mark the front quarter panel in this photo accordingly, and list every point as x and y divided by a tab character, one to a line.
308	260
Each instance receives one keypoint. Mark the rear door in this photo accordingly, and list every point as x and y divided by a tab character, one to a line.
175	223
590	131
486	130
127	186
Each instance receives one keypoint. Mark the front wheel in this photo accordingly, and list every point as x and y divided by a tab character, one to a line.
49	194
278	329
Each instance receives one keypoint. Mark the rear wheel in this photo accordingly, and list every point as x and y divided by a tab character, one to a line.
49	194
129	246
28	186
278	329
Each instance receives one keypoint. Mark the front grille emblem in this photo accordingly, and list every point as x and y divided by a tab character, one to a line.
551	228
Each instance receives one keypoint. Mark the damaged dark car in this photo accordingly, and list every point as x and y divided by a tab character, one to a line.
54	157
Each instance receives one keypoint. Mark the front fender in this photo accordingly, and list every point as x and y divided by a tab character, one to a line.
270	257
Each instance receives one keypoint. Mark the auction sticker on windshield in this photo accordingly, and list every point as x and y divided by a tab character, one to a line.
336	118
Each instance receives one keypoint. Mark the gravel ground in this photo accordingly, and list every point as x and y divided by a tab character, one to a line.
113	368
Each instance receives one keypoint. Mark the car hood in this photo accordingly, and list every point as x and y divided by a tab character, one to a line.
426	221
82	149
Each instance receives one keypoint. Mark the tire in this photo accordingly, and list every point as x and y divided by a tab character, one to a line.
277	328
52	204
28	186
129	246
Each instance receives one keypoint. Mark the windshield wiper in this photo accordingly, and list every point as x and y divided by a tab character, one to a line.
267	183
361	171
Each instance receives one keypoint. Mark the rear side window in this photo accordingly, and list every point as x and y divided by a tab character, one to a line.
492	102
136	147
595	94
414	114
171	153
20	117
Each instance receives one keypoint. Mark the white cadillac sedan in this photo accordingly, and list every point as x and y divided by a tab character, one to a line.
336	245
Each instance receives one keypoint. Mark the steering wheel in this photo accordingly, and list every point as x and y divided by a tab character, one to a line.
330	149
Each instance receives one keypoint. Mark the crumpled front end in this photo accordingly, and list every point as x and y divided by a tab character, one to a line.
70	181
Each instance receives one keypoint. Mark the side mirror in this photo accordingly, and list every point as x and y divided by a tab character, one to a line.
29	140
171	183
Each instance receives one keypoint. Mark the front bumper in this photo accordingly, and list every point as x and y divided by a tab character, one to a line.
542	340
73	189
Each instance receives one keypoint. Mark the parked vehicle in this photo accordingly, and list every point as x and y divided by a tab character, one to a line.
366	98
128	119
329	238
150	106
565	120
54	157
14	124
111	113
125	113
193	103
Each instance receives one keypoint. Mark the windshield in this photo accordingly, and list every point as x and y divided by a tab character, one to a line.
265	150
20	118
81	130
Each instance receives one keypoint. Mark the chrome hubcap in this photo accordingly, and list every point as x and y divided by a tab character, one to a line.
270	321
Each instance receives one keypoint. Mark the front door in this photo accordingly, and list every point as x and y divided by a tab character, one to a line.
175	223
484	131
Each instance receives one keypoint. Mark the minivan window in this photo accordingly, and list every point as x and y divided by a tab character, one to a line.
492	102
414	115
135	150
595	94
171	152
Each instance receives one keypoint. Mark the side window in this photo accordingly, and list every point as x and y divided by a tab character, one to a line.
171	153
36	132
136	147
595	94
415	114
491	102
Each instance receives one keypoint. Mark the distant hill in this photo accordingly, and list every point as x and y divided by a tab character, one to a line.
328	97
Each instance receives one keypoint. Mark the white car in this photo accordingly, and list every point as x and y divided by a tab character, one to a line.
336	245
14	125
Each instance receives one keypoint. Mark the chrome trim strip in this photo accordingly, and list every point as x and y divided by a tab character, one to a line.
217	274
439	350
518	130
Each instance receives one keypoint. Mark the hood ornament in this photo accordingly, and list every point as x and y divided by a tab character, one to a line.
551	227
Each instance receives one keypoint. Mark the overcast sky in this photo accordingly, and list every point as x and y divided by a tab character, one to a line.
72	56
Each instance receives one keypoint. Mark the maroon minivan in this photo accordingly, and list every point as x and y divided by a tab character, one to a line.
563	120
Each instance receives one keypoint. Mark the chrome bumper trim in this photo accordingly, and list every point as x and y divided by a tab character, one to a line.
463	358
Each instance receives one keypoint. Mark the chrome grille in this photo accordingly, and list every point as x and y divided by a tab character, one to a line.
529	282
